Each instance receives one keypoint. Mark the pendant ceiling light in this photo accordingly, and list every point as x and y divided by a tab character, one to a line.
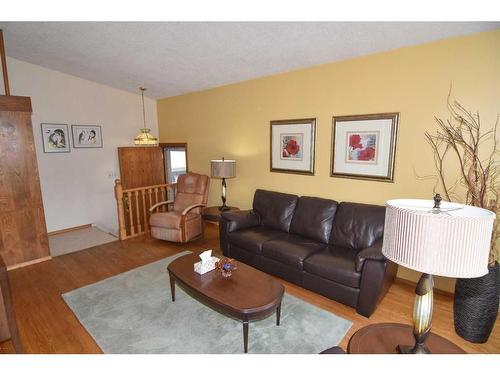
144	138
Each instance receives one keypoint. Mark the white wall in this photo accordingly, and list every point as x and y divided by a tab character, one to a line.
77	187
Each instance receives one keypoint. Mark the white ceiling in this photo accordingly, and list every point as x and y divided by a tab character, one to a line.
172	58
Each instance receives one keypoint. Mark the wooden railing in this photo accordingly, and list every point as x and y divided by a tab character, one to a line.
133	206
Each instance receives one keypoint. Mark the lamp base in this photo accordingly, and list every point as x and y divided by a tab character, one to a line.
417	349
223	197
422	316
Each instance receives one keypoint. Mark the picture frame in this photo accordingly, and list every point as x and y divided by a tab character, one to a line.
364	146
292	144
86	136
55	138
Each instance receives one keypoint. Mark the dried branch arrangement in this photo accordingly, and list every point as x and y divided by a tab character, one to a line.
478	155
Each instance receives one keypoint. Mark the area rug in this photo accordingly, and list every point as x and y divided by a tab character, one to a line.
133	313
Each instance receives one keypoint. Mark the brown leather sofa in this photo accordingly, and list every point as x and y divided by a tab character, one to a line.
330	248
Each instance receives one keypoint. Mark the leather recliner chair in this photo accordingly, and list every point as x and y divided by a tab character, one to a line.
330	248
184	223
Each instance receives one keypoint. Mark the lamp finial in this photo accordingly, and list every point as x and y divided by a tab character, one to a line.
437	202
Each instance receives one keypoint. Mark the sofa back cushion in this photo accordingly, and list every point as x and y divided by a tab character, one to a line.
313	218
357	226
275	209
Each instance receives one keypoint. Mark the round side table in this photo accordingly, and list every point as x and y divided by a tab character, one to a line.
214	214
383	338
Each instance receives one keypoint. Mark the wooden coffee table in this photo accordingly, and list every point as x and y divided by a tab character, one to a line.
248	294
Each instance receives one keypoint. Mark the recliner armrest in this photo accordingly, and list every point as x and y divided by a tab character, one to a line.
192	207
238	220
152	208
373	252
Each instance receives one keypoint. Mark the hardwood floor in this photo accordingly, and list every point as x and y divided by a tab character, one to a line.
47	325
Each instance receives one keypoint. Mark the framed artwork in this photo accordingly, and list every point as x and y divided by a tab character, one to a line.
364	146
86	136
292	146
55	138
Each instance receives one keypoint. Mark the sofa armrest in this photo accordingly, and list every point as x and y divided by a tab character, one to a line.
373	252
238	220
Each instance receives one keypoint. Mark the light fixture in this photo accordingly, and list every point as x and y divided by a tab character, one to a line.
223	169
144	138
444	239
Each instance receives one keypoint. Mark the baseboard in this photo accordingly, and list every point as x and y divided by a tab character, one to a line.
414	285
29	263
60	231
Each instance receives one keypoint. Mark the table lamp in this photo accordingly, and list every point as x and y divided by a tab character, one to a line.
435	238
223	169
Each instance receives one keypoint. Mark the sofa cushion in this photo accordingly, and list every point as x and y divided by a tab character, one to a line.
275	209
252	239
291	250
357	226
313	218
335	264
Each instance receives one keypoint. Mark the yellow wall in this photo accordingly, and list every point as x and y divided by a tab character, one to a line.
233	121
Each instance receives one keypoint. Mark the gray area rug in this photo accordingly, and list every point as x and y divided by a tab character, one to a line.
133	313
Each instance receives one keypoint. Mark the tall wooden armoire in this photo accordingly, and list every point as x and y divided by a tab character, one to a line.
23	233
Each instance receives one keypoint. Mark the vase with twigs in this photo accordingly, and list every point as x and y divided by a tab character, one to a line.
476	183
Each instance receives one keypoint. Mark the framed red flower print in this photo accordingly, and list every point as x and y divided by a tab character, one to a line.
364	146
292	146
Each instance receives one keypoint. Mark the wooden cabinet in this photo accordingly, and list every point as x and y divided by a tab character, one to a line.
23	233
141	166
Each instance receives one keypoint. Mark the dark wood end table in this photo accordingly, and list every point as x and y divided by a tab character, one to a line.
383	338
214	214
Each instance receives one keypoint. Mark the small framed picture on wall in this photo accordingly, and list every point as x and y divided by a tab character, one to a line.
292	146
86	136
55	138
364	146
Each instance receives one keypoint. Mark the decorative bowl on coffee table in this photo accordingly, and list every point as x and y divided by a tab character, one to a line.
226	266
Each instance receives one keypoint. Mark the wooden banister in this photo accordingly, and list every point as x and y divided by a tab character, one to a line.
150	187
133	207
121	212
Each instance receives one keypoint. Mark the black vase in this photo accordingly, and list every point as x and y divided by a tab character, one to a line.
476	305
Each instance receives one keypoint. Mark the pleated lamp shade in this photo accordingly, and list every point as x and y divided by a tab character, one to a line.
223	168
454	242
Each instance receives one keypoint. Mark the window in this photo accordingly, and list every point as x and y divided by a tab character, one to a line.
175	161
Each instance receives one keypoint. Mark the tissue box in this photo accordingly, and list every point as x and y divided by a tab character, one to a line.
204	267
